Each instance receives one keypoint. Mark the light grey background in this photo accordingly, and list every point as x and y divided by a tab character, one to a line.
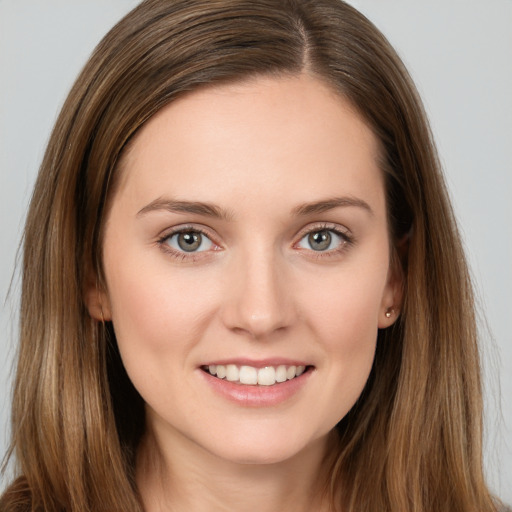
460	55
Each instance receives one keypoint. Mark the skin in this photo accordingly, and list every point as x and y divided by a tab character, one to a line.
258	151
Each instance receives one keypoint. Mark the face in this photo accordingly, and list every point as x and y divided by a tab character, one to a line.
246	257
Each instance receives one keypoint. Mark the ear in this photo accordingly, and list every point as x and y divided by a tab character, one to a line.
97	302
393	294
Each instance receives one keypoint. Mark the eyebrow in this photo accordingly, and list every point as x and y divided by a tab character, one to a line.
177	206
330	204
214	211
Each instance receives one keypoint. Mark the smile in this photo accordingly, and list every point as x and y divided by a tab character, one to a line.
251	376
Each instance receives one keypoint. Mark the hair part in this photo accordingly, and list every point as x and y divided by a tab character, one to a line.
416	430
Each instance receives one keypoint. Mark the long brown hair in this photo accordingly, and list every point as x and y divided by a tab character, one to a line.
413	440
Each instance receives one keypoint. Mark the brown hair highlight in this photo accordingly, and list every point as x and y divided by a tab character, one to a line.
415	433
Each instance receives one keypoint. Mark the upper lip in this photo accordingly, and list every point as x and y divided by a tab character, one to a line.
259	363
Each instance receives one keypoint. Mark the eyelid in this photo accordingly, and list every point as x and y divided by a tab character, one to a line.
186	228
341	231
325	226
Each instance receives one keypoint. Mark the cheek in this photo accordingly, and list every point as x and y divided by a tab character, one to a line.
158	319
348	330
156	314
343	314
345	306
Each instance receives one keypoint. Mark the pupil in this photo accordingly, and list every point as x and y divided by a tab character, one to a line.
189	241
320	240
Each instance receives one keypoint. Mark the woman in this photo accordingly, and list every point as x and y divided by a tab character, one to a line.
242	283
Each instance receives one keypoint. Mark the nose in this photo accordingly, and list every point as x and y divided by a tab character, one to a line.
258	295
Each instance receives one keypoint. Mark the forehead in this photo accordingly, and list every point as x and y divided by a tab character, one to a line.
292	132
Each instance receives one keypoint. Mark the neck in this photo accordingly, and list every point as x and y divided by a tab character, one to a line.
183	476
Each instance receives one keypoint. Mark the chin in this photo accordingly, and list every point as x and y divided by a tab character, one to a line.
266	450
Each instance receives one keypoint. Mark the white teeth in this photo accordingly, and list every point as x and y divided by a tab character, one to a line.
232	373
267	376
248	375
281	373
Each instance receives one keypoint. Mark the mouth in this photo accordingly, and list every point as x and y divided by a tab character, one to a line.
251	376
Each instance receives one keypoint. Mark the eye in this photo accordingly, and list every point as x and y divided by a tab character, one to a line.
189	241
323	240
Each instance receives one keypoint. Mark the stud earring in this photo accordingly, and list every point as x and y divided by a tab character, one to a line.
389	312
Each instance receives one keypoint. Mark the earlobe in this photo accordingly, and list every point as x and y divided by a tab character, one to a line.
388	317
97	303
392	298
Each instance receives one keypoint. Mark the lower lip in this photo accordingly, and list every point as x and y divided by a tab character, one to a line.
257	396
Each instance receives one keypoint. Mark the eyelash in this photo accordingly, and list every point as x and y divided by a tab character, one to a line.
347	240
183	255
